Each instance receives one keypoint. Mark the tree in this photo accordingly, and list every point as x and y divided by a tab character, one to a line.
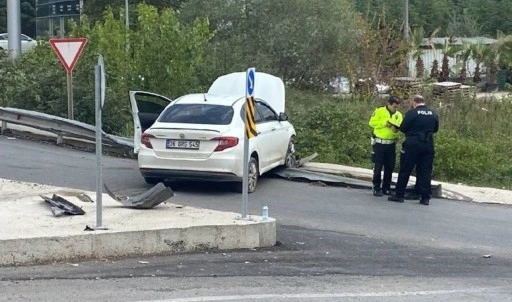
463	25
434	72
492	15
416	46
94	8
490	60
267	34
165	57
448	51
454	17
430	14
28	15
465	54
477	53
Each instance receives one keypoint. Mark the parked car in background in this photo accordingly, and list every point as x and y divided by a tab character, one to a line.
201	136
26	42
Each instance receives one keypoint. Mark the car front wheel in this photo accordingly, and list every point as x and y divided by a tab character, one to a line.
253	177
291	158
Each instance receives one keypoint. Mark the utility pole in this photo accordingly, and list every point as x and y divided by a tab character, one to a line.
406	20
13	29
127	21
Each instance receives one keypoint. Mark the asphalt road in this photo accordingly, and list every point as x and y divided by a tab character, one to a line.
335	244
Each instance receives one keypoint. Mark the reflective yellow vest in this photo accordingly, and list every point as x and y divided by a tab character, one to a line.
378	122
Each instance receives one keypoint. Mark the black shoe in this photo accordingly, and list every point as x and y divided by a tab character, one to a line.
425	201
396	199
385	191
377	192
412	196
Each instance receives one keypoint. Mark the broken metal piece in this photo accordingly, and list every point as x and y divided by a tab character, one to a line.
57	212
307	159
85	198
61	206
329	179
147	200
324	179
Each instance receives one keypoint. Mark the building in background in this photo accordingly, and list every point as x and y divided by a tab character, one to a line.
52	16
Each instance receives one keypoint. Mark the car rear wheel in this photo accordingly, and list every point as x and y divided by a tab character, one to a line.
152	180
291	158
253	177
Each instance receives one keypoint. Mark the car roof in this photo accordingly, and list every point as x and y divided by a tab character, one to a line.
206	98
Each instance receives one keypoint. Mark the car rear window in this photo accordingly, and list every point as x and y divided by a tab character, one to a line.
198	114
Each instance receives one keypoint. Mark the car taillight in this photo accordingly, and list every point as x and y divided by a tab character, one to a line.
225	142
144	139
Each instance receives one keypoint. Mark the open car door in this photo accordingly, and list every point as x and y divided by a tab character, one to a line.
146	107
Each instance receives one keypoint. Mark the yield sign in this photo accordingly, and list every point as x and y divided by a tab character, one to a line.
68	51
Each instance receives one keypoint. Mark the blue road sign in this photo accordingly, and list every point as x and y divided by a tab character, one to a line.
250	81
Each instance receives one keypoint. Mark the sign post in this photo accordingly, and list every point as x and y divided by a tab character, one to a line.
99	102
68	51
249	132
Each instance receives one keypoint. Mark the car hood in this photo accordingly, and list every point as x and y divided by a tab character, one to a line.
266	87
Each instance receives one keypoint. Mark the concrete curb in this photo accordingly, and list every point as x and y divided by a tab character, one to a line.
449	190
32	235
135	243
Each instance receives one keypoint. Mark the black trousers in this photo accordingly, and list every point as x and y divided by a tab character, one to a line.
383	157
419	154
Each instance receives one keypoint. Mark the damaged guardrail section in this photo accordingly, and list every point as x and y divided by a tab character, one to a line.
62	127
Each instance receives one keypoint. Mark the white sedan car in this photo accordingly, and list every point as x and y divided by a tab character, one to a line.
201	136
26	42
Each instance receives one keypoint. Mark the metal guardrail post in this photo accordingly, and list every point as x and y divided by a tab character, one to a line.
4	126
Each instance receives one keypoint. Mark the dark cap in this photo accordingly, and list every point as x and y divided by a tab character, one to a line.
393	100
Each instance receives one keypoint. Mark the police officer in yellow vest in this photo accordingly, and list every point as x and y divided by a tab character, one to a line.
385	122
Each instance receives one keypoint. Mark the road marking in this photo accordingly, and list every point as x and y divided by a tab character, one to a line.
318	296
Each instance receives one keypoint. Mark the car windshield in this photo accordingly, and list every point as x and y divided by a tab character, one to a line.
198	114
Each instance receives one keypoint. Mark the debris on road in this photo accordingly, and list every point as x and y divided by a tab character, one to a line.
147	200
85	198
316	177
61	206
306	159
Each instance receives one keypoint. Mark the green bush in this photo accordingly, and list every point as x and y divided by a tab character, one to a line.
164	56
471	147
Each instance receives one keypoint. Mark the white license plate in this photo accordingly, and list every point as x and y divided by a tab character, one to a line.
182	144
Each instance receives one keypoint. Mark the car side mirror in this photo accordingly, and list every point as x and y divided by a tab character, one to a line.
283	117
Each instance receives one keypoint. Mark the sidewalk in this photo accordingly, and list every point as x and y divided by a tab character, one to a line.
31	234
453	191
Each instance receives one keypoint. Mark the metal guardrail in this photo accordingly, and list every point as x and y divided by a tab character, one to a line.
61	127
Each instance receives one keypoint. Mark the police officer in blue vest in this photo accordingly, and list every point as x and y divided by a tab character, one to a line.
419	125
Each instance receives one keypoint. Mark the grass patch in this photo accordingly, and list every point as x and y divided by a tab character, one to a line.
473	145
